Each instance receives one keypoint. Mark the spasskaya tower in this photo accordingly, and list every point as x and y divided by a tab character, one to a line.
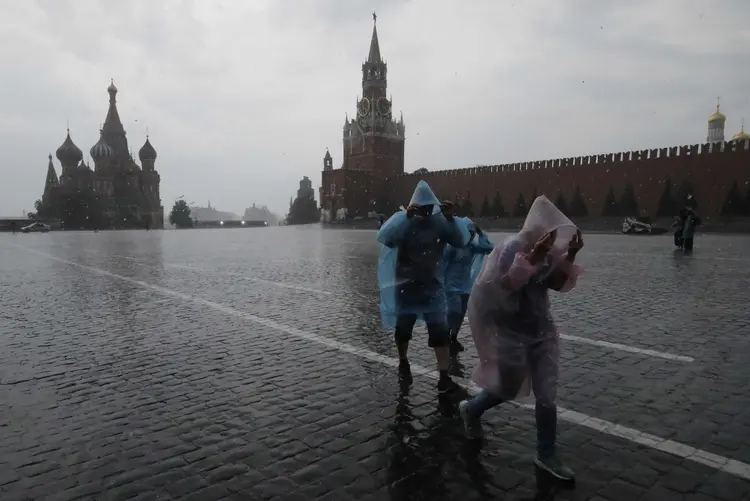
373	144
374	140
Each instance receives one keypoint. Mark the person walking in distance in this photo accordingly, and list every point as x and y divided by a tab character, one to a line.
458	278
513	330
692	221
679	228
410	275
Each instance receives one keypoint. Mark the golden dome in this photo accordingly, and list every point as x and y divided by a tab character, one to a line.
717	117
741	135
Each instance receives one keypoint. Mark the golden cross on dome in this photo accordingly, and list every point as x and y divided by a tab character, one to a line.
374	17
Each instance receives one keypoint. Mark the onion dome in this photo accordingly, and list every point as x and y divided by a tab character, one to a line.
100	150
741	135
147	152
112	88
68	152
718	116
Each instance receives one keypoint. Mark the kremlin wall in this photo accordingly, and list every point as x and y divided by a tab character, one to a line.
706	171
648	183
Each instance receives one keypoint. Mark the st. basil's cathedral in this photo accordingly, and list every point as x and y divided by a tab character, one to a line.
128	194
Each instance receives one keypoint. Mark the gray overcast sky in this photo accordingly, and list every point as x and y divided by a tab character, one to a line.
241	97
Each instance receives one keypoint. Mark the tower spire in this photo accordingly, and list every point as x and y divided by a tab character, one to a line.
113	131
52	180
374	56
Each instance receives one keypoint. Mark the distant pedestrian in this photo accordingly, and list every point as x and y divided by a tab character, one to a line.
692	221
513	329
13	226
410	276
679	226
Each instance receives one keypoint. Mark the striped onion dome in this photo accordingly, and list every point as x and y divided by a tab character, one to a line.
100	150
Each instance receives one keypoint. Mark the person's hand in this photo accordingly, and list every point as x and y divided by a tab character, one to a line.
542	247
412	210
448	209
576	244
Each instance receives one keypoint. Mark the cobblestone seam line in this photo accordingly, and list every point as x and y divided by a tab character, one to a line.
630	349
721	463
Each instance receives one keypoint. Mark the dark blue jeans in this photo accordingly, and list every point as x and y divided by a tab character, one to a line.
546	420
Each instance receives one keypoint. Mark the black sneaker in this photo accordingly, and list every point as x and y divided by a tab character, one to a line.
446	385
456	346
404	371
554	466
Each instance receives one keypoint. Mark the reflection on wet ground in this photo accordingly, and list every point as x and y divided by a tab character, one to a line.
250	364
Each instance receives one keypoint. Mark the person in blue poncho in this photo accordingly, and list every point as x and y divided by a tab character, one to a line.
410	275
459	266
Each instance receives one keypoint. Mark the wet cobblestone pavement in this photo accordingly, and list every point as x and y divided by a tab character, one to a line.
250	364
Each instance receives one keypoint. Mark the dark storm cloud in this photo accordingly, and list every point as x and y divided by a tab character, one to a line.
242	97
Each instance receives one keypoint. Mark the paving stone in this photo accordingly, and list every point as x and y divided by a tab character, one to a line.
114	390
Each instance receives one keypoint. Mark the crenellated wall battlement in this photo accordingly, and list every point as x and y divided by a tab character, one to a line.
657	154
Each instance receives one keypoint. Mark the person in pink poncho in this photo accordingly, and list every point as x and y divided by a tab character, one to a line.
513	330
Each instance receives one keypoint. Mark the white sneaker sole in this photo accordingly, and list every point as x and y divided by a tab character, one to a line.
549	470
462	411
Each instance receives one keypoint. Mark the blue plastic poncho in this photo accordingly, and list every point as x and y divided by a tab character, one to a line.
458	264
478	261
410	268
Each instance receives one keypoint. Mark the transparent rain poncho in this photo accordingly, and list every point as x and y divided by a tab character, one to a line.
410	263
509	309
459	263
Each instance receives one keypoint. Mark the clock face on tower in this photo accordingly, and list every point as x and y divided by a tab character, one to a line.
364	107
384	107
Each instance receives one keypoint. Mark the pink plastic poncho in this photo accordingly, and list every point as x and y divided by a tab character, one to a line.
509	310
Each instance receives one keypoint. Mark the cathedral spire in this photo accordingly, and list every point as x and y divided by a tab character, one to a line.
112	122
52	181
374	55
113	132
